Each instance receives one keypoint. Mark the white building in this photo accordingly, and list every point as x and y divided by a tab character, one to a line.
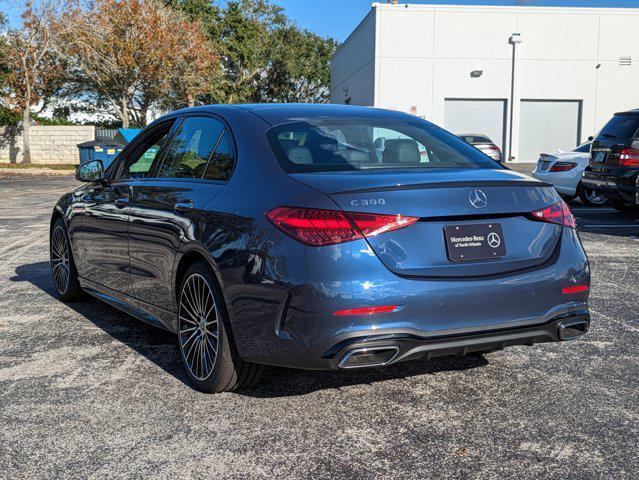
533	79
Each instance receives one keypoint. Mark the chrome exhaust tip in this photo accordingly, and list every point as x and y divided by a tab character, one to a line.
369	357
571	329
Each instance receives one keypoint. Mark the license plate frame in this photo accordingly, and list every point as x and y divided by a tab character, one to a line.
472	242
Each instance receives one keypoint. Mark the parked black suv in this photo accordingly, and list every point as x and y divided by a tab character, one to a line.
614	162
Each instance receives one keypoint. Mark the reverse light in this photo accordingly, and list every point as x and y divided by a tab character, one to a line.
316	227
563	166
629	157
366	310
574	289
559	214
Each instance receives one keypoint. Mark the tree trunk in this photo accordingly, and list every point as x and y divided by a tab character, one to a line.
26	141
143	111
124	112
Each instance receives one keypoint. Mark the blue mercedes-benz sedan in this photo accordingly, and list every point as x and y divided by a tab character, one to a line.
319	237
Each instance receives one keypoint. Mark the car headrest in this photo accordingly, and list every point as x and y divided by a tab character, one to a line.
401	150
299	155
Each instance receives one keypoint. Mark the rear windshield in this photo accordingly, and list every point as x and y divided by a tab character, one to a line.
315	145
621	126
475	139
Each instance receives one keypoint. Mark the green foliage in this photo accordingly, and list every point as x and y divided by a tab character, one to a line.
264	56
9	118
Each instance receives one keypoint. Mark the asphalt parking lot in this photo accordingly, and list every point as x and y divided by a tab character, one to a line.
86	391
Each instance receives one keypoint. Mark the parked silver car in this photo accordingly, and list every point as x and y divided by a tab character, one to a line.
482	143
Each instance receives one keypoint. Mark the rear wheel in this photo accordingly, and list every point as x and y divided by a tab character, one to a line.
591	197
206	347
65	275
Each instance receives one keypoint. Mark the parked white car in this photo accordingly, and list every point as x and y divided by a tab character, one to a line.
563	170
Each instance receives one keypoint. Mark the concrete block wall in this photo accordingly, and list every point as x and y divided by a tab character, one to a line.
49	144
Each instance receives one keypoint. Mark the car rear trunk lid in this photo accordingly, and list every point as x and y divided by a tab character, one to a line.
446	199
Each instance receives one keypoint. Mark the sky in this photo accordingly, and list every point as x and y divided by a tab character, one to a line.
338	18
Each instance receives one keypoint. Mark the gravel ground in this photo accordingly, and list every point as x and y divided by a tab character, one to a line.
86	391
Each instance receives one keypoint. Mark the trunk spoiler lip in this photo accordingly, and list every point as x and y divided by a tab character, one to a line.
453	184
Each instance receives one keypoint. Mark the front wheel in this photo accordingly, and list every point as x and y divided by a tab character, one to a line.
204	337
65	275
591	197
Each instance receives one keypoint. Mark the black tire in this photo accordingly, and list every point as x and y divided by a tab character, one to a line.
568	198
587	198
65	275
622	206
201	323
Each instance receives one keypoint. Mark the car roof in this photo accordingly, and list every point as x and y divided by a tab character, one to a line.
281	113
629	112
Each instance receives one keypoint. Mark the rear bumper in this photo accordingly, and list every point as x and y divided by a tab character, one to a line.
564	182
401	347
623	181
347	351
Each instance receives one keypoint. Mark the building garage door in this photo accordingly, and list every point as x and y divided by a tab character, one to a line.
486	117
546	126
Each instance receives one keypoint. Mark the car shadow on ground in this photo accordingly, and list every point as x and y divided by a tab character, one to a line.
160	347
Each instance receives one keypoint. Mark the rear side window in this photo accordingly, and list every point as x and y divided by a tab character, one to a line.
621	126
359	144
191	149
222	161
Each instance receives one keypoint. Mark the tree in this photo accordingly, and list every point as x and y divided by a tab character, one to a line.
299	69
128	55
32	68
264	57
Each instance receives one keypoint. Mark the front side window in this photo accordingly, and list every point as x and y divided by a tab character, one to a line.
191	148
138	163
360	144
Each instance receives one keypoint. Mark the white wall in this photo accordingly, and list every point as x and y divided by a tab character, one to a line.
353	66
425	53
49	144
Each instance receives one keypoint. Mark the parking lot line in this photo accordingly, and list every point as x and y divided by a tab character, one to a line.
627	225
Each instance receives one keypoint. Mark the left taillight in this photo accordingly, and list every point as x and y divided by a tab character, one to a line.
558	213
318	227
563	166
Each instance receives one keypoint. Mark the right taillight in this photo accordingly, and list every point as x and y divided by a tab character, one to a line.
629	157
558	213
318	227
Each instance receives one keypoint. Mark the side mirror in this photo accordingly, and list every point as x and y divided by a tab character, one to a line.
92	171
591	138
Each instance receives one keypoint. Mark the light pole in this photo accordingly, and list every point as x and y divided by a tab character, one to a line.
514	40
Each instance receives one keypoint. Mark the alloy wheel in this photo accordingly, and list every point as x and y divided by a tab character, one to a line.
198	326
60	259
594	197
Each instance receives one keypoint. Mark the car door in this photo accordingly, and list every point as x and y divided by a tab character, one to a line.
106	209
198	162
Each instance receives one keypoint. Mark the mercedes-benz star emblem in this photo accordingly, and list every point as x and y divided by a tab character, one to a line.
493	240
477	198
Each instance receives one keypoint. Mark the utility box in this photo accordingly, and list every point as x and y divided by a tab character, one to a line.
105	149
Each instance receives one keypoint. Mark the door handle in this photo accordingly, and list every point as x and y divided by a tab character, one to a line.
122	202
183	206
